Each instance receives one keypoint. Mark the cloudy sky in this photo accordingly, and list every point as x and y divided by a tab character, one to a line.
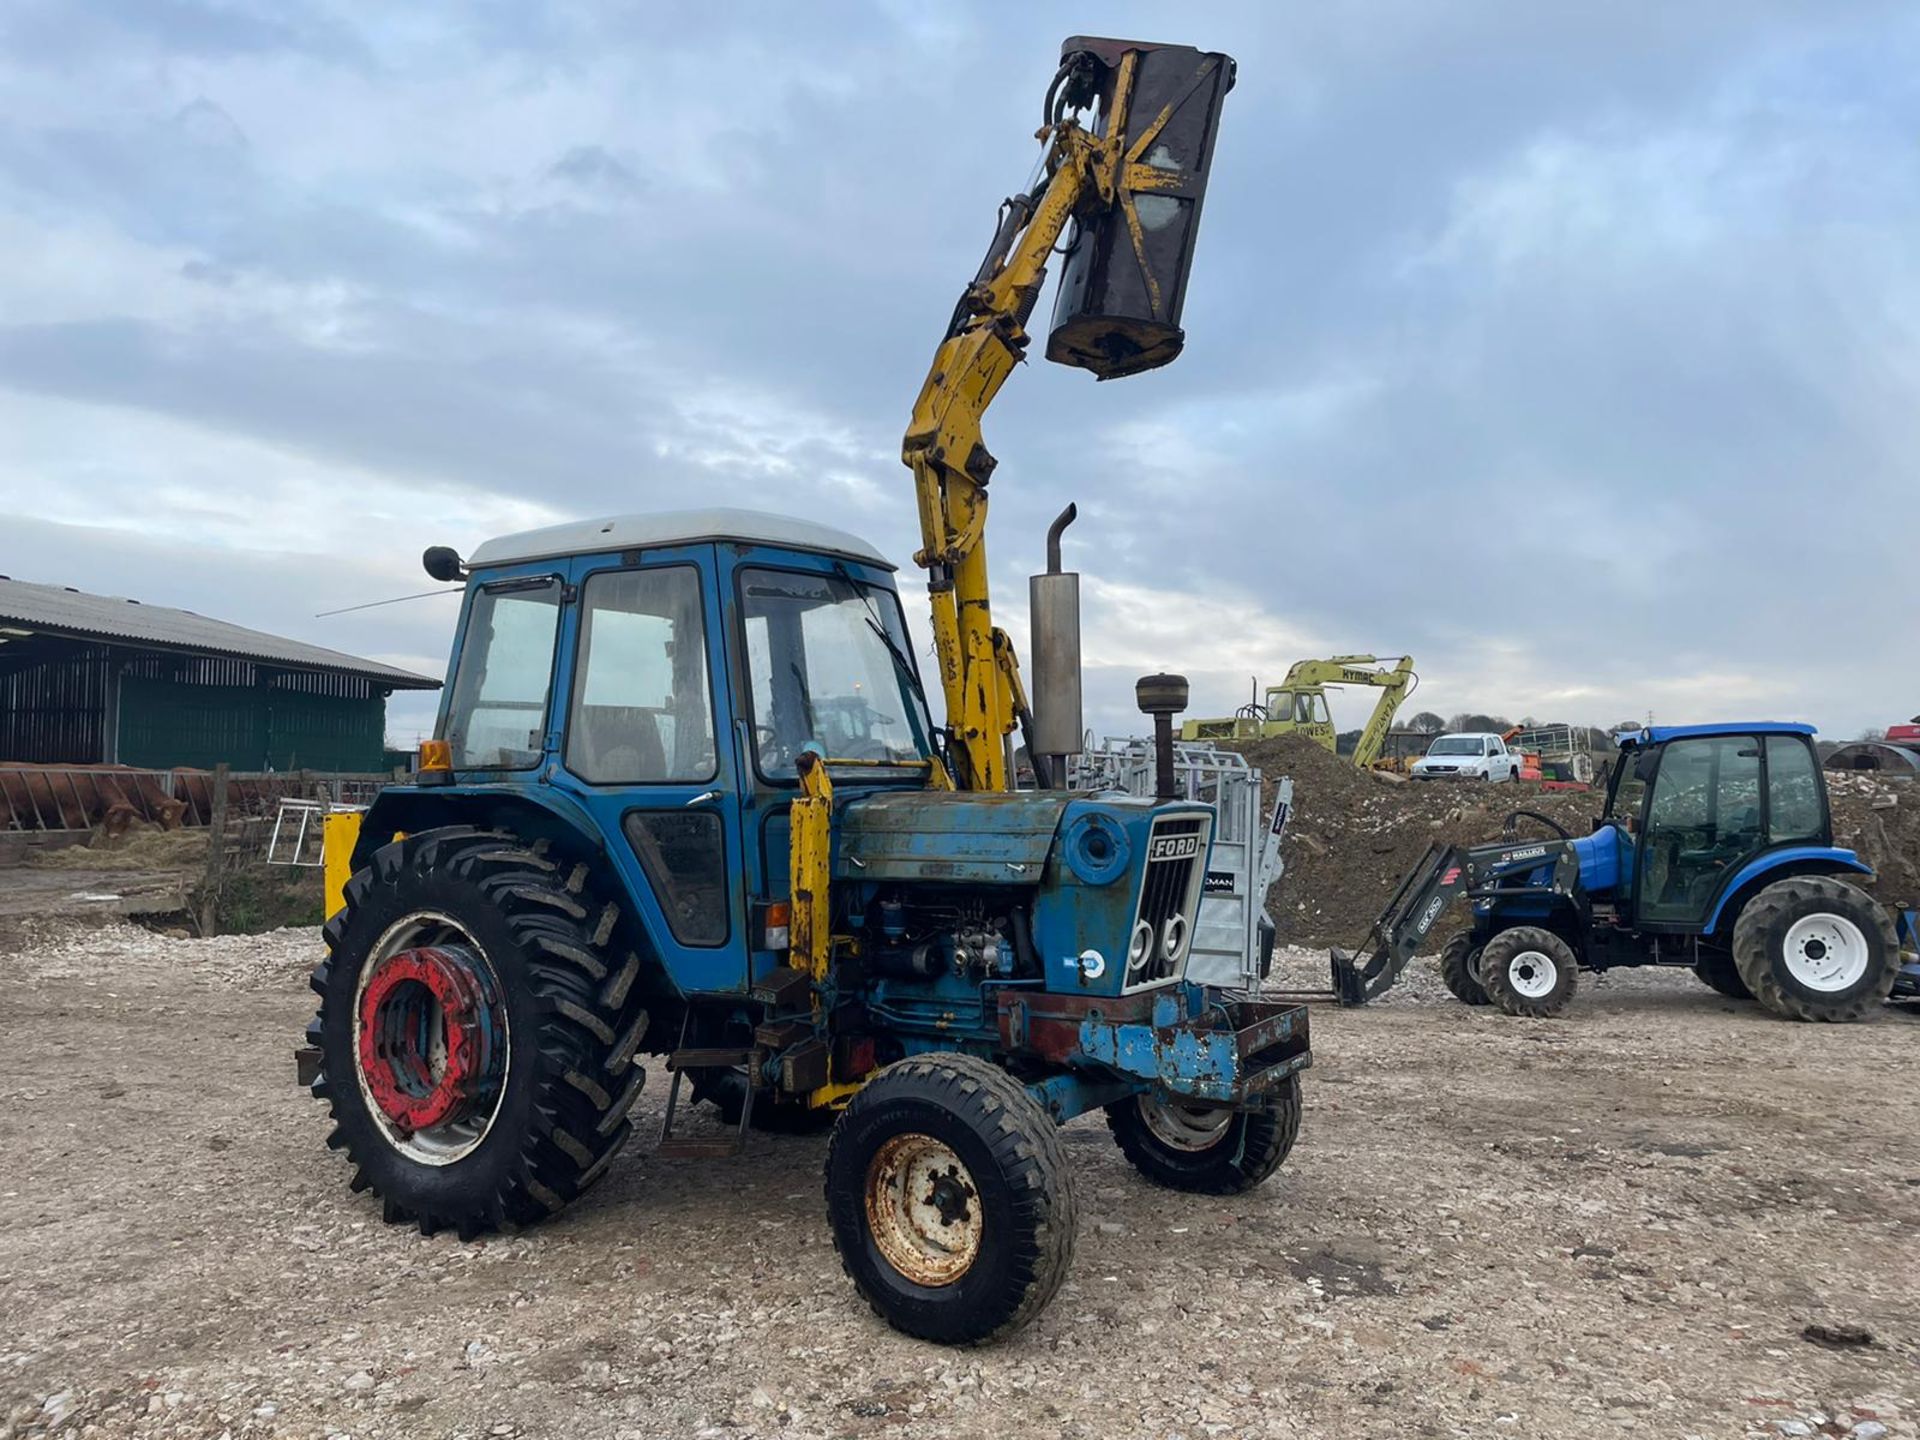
1573	348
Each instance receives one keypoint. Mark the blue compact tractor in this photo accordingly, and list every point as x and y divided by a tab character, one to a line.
1715	852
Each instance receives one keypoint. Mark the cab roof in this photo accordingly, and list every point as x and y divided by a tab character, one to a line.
1660	734
674	527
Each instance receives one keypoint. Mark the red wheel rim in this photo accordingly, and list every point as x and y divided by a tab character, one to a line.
429	1050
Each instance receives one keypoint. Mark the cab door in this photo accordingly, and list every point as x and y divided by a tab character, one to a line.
1704	818
644	749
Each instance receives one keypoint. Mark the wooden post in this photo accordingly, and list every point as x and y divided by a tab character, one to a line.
216	846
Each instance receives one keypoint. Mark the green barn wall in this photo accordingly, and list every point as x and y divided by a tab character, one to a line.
163	723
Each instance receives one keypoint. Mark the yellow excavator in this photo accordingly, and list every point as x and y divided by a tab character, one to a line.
1298	704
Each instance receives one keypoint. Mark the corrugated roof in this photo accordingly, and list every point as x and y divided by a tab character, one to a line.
57	610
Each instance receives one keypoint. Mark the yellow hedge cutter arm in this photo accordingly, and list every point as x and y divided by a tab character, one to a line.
1130	179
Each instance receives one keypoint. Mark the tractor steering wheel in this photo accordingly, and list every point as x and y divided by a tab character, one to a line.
1511	827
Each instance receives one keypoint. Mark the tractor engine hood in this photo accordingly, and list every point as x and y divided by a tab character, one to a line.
976	838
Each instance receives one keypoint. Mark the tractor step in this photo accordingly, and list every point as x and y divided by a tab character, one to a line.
708	1059
686	1058
699	1147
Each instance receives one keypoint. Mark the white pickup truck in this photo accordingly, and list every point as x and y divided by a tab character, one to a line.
1473	755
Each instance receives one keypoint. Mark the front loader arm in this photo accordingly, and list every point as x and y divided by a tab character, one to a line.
1422	897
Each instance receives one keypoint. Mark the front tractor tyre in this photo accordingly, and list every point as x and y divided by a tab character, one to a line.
1460	970
949	1199
1816	948
476	1031
1207	1149
1528	971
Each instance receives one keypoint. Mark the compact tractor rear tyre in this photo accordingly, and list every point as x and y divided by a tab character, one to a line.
1207	1149
949	1199
1816	948
477	1031
1528	971
1717	970
1460	970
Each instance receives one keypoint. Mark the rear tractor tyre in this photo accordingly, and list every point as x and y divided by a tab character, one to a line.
1717	971
1816	948
1460	970
949	1199
476	1031
1207	1149
1528	971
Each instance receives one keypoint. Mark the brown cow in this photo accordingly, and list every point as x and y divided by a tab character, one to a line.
80	797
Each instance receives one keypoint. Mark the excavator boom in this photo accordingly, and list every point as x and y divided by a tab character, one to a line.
1298	704
1129	180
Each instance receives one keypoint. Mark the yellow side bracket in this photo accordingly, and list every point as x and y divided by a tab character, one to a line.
339	833
810	850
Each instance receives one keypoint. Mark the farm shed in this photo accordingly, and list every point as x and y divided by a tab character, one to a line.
91	679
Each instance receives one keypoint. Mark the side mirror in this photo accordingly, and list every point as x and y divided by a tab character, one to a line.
442	562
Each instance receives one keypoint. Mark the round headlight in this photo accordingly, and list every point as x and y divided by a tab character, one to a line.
1140	948
1173	936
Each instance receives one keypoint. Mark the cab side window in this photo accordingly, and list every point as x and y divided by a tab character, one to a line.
641	711
1794	811
497	712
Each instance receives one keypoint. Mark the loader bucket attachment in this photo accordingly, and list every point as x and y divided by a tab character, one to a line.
1349	982
1125	279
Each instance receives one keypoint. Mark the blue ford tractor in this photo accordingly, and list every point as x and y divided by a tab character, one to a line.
1715	852
687	798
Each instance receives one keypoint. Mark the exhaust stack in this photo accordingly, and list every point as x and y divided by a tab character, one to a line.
1053	602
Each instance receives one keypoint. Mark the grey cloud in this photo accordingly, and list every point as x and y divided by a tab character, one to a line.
1612	445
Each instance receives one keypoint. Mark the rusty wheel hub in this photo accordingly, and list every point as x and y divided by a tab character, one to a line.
431	1047
923	1210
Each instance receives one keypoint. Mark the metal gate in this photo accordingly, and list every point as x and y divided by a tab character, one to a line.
1245	861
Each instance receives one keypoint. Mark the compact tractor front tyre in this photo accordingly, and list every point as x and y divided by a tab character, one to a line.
1528	971
949	1199
1717	970
1460	970
476	1032
1206	1149
1816	948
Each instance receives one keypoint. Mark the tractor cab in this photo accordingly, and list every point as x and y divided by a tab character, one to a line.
655	678
1696	812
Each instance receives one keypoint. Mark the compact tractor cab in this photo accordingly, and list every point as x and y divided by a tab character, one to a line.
1715	852
687	798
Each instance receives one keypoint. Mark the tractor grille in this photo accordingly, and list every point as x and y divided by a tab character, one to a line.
1169	900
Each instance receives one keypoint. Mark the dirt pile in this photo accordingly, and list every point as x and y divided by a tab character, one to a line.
1881	819
1354	834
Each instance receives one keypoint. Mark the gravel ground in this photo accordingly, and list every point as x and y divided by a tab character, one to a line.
1623	1221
